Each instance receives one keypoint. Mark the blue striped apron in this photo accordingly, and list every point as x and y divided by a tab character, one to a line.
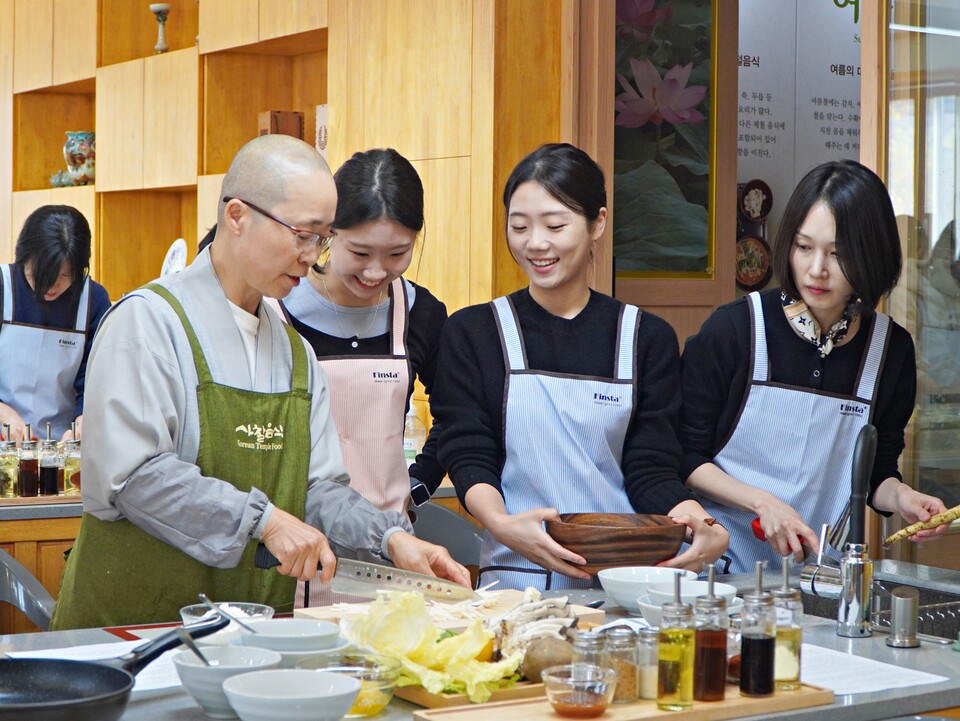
563	437
796	443
40	365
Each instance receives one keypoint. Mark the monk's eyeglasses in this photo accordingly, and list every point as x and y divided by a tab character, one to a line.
303	239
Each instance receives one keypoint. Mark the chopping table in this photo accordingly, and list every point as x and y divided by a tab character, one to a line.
176	705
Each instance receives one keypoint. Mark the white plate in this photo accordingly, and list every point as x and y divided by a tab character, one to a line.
651	612
176	258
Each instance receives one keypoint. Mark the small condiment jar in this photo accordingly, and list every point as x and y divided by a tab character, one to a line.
9	468
789	613
29	476
710	660
49	462
71	467
648	652
620	654
733	650
758	638
587	648
675	667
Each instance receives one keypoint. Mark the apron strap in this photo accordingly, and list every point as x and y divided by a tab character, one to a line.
398	317
511	339
203	370
298	381
627	343
876	352
6	300
760	371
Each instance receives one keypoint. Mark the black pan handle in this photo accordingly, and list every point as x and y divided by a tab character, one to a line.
139	657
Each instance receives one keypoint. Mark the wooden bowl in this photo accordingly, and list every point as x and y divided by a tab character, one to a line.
607	540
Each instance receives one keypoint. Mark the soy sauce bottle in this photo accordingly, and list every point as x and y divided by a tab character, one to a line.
758	639
29	476
710	658
49	462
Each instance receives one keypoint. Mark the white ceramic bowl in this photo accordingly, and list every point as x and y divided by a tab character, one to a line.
291	634
651	611
290	659
625	584
205	683
661	593
244	611
291	695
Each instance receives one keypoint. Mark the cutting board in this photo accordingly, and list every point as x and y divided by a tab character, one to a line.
507	600
734	706
421	697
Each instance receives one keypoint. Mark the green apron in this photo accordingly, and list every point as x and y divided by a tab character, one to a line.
117	574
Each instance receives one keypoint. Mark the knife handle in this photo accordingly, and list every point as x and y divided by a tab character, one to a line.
264	559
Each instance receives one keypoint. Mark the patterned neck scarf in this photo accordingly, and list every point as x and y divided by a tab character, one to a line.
806	326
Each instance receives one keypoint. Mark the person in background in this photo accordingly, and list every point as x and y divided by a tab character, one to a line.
373	331
777	385
50	312
558	397
210	420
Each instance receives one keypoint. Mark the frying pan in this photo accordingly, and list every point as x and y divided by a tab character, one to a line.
46	689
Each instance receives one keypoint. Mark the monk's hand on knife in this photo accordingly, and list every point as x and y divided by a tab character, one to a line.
299	547
414	554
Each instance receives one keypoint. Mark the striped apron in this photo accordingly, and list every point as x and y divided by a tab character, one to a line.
796	443
563	437
40	365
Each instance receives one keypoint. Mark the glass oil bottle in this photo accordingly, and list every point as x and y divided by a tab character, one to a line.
29	476
789	612
9	465
758	637
675	667
710	657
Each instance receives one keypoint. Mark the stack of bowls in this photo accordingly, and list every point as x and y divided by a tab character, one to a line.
627	584
205	683
295	639
661	593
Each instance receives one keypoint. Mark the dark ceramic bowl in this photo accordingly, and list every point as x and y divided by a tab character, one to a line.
607	540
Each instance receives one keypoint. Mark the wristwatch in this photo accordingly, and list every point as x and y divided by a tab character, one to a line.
419	493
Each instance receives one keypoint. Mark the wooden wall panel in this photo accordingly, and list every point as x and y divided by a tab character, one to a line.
41	120
171	119
33	54
74	40
119	122
130	29
308	88
228	24
483	194
287	17
441	262
208	201
346	109
21	205
6	126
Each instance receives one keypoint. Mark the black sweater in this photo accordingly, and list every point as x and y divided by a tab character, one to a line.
427	316
716	366
468	398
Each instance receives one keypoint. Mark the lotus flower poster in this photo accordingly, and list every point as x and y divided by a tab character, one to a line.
662	136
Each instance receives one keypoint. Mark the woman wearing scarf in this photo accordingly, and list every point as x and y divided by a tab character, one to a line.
777	385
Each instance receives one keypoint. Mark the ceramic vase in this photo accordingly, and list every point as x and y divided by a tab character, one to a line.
80	153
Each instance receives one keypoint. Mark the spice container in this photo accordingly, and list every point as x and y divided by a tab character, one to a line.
29	475
620	654
648	652
789	613
9	465
587	648
71	467
710	658
675	667
733	650
758	637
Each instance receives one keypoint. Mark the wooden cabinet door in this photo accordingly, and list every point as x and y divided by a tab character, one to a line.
287	17
74	40
24	203
119	123
171	119
33	39
228	24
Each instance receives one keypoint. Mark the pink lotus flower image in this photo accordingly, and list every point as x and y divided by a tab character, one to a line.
642	14
658	99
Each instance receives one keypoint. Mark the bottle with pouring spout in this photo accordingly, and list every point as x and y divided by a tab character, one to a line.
29	475
9	465
49	463
758	637
676	654
710	658
71	464
789	611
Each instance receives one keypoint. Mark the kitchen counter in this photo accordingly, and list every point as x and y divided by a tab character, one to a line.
28	509
175	704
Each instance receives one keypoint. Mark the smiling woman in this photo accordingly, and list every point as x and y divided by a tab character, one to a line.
539	393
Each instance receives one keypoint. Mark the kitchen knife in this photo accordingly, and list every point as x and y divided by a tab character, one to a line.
366	579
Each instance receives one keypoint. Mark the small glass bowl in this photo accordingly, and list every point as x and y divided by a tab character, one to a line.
377	675
243	611
579	690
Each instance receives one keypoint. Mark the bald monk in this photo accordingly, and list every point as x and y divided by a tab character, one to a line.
208	426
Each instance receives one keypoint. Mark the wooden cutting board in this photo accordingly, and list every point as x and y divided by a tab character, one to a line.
507	600
734	706
421	697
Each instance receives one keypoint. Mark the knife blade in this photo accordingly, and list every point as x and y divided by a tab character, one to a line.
361	578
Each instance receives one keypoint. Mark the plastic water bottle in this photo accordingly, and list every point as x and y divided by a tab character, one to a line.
414	435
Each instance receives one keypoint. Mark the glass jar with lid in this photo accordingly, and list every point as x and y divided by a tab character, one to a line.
789	613
587	648
710	660
758	635
9	465
71	467
49	465
648	652
675	667
29	475
620	654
